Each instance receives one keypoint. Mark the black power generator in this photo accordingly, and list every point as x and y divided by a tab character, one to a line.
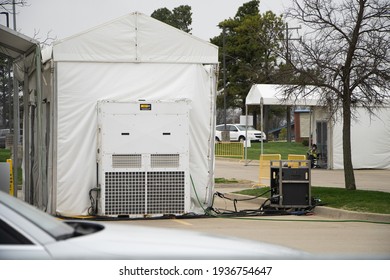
290	184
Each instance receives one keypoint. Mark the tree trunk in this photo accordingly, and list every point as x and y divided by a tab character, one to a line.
349	175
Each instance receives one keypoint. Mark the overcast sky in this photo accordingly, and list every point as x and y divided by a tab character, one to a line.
68	17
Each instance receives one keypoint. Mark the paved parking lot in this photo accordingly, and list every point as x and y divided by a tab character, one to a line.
316	235
320	235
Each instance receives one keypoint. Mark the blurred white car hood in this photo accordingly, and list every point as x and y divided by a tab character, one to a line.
119	241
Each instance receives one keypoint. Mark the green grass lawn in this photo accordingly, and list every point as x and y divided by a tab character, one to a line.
359	200
225	181
282	148
4	155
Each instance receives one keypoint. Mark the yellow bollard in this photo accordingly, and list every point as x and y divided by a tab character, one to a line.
296	160
265	168
11	178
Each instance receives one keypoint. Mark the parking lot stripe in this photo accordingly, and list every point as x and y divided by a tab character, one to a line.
183	222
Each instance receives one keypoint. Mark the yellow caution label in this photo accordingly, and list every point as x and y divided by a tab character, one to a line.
145	107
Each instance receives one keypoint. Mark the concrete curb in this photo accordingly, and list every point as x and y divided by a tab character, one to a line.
350	215
327	212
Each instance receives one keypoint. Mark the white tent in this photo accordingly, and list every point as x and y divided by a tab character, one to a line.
273	95
137	61
25	54
370	140
369	134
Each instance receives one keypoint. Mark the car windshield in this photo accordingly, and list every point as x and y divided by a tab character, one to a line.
47	223
242	127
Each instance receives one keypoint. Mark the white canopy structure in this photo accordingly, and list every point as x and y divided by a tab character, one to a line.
273	95
370	133
25	53
120	98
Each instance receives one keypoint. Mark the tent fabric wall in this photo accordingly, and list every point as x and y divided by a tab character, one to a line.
77	119
370	140
134	57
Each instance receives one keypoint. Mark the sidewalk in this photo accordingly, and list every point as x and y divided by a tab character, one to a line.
367	179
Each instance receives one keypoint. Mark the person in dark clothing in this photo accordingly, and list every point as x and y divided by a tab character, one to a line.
313	156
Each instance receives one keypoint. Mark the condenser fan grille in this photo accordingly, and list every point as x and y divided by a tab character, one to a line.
135	193
165	193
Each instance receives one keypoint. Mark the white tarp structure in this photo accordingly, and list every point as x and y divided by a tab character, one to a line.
25	54
369	134
370	140
273	95
131	59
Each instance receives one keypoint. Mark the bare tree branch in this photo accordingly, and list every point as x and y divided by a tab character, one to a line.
345	52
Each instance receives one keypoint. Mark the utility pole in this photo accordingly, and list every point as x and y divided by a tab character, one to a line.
288	113
225	133
14	12
224	75
292	39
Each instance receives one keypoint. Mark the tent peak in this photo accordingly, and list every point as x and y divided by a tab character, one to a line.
135	37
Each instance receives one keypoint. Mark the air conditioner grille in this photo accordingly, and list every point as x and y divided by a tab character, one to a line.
165	161
165	192
127	161
124	193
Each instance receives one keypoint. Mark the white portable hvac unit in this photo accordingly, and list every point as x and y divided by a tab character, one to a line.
143	158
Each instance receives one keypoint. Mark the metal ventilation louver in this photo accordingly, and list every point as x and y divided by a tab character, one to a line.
126	161
165	161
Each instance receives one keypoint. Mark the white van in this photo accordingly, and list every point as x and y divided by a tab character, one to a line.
237	133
